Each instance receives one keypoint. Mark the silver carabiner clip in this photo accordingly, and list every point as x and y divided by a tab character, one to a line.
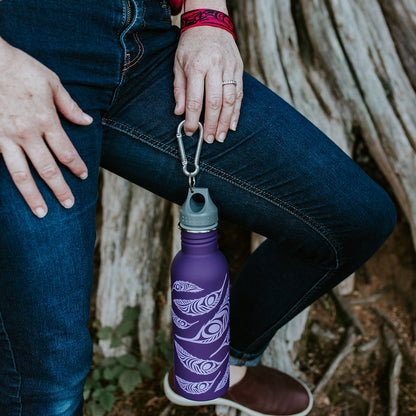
184	160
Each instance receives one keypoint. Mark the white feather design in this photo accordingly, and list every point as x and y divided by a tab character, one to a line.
223	381
225	343
181	323
184	286
191	387
200	306
215	327
197	365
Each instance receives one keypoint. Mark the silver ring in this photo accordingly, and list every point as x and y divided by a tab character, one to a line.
229	81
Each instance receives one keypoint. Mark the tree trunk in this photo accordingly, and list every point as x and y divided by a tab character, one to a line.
136	243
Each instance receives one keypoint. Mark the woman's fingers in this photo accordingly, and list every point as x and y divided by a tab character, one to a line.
227	109
179	89
206	57
213	103
17	165
194	100
66	105
31	96
63	149
237	106
49	171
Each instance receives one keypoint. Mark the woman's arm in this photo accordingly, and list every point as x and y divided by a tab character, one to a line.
30	97
205	57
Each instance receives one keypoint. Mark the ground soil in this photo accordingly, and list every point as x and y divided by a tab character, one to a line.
386	286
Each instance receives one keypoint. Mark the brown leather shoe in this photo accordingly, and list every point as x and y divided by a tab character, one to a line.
263	391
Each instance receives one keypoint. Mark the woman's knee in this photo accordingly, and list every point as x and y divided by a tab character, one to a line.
372	220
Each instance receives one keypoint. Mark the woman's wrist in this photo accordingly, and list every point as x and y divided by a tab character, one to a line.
207	17
219	5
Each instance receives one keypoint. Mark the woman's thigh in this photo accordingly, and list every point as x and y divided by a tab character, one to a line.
46	269
277	175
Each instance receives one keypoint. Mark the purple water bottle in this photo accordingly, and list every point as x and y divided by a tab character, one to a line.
200	303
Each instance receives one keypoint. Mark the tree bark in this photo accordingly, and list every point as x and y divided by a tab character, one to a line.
136	243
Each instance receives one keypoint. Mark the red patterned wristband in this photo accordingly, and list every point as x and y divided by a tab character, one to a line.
207	17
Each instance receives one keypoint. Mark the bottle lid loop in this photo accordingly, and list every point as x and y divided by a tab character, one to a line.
198	213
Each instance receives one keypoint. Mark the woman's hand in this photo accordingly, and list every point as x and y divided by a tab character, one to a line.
30	96
207	56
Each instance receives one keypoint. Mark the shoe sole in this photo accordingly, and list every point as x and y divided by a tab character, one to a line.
182	401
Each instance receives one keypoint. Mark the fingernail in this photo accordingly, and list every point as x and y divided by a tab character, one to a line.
221	138
84	175
210	138
188	133
87	118
40	212
68	203
233	126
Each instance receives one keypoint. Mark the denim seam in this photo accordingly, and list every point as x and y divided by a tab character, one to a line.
318	228
17	396
139	55
120	31
144	14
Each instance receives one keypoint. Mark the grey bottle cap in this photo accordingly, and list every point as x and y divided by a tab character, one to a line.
198	213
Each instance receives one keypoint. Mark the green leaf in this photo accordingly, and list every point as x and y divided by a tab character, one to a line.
86	394
108	361
125	328
129	379
131	313
113	373
145	369
105	332
117	370
106	400
128	360
115	340
111	387
95	409
167	352
161	336
90	383
96	374
97	393
108	374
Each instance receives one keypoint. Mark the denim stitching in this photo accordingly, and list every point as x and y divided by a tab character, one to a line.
319	228
139	55
120	31
17	396
144	14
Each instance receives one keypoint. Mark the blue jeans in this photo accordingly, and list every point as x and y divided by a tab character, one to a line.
277	175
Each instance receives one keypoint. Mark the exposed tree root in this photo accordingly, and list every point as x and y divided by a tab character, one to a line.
346	349
345	308
395	370
399	336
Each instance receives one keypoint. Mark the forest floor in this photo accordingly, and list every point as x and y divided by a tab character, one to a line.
383	297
